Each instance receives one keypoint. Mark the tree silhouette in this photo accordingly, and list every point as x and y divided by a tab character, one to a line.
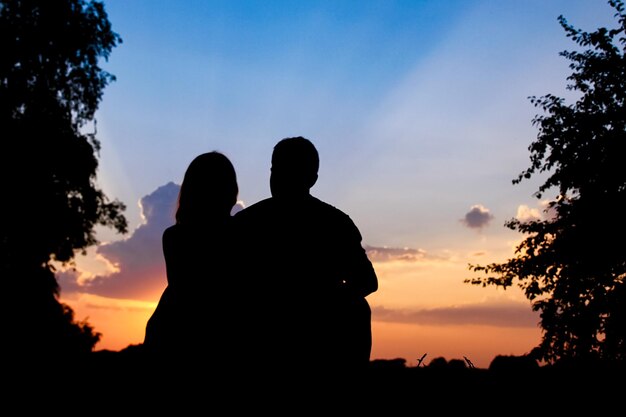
50	88
572	263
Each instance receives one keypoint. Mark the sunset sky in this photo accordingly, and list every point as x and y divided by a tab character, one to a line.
419	110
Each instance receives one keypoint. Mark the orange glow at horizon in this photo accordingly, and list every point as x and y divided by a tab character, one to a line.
480	344
122	323
409	292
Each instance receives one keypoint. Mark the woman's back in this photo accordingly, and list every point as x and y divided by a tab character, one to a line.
188	324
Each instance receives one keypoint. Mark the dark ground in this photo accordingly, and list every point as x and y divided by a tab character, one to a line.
106	382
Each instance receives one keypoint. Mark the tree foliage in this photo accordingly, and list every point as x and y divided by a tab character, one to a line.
572	262
51	84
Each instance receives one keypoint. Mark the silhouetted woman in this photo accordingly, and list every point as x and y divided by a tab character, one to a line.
189	323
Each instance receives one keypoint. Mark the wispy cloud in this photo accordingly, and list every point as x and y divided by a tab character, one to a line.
387	254
499	314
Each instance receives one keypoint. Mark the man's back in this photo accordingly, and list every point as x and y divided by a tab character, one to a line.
311	237
309	275
305	275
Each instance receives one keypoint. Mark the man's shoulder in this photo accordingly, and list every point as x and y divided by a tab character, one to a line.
254	209
328	209
266	202
311	207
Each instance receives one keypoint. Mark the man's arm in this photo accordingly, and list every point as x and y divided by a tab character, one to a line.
361	276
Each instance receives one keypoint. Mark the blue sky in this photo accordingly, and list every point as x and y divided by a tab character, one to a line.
419	110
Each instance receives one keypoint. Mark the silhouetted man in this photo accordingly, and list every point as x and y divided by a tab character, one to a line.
307	271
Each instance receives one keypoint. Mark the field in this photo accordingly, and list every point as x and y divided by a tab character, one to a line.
117	382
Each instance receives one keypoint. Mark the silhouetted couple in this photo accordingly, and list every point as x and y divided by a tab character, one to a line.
279	286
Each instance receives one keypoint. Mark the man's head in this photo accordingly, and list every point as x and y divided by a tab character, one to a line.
295	163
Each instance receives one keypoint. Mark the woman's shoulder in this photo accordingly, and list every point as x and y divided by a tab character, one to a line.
201	232
169	235
171	230
174	234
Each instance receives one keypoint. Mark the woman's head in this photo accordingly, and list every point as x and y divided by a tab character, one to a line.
209	188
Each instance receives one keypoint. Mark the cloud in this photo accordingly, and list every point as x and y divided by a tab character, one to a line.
138	263
386	254
526	213
544	212
239	205
138	259
498	314
68	281
478	217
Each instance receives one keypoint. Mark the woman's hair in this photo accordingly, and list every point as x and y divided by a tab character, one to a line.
209	189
